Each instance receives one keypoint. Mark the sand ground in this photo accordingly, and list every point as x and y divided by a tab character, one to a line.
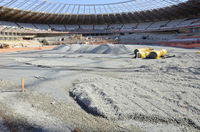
100	88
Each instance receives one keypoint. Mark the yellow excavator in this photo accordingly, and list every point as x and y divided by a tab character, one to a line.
156	54
149	53
142	52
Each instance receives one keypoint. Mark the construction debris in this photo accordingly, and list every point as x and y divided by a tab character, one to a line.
4	46
168	56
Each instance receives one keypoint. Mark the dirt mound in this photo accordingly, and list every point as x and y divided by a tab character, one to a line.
94	49
103	49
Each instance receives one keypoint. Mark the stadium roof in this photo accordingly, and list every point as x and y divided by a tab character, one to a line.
118	11
71	8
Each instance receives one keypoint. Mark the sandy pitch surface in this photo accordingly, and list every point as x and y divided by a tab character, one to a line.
101	88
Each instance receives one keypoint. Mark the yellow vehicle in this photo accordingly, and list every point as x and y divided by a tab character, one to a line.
156	54
142	52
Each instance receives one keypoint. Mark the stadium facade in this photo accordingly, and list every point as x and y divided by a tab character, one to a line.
130	21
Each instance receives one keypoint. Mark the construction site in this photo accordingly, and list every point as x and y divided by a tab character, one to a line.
120	66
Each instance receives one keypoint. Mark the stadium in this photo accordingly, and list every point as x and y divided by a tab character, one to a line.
118	65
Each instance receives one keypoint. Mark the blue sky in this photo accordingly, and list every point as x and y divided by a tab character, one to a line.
88	1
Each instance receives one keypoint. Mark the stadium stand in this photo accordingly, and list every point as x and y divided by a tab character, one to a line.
143	26
146	37
146	26
187	22
86	27
129	27
115	27
72	27
8	24
26	25
173	24
100	27
196	22
157	25
57	27
42	26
